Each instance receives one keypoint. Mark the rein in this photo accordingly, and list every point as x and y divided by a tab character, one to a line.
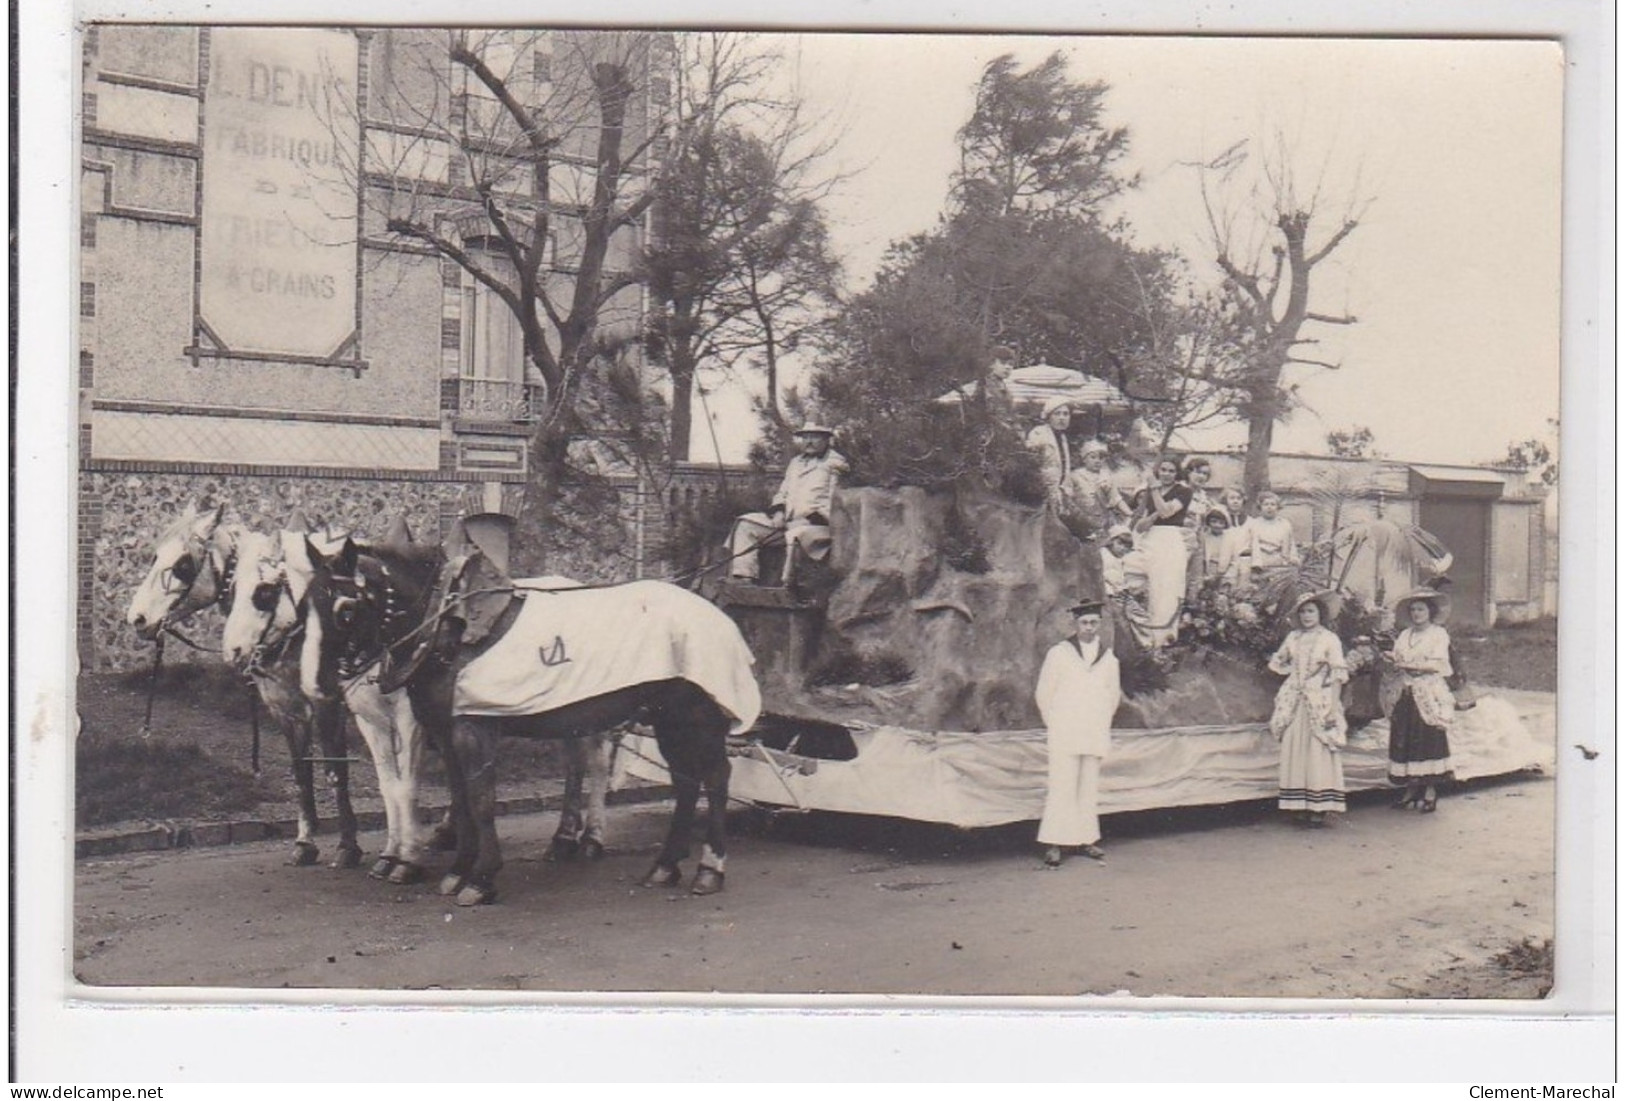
152	684
618	740
225	579
269	653
169	628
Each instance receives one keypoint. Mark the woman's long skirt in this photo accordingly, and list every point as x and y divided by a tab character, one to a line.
1311	774
1165	559
1417	753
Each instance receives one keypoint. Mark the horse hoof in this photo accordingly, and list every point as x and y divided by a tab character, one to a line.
562	849
406	872
592	849
304	854
382	867
450	884
707	881
347	858
474	895
663	875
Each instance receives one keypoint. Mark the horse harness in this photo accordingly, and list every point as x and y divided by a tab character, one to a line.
266	596
188	572
355	657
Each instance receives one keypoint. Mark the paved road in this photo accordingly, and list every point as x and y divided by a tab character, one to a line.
1231	903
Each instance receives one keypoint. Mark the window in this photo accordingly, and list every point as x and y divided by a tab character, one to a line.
485	116
493	351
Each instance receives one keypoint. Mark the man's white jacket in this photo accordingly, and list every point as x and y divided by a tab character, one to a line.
809	485
1077	695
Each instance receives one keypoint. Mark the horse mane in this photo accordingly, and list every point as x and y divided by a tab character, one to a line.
248	538
410	556
414	564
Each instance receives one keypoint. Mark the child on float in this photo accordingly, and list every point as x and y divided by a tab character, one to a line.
1234	504
1271	542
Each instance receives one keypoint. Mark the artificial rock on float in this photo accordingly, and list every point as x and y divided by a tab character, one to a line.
954	598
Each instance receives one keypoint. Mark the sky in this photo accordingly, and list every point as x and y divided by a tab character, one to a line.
1451	149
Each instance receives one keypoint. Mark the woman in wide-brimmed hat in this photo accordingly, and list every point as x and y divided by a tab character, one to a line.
1308	715
1419	724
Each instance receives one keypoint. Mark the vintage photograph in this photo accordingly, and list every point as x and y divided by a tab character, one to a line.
689	512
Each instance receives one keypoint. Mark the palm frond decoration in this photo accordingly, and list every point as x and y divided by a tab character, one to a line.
1278	586
1382	544
1389	545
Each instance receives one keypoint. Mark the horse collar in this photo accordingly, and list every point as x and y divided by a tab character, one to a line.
226	578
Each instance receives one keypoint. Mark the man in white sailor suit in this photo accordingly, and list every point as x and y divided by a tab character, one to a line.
1079	688
799	514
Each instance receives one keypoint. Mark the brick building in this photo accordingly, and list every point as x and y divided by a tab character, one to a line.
251	331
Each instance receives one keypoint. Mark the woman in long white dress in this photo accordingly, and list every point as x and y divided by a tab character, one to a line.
1161	508
1308	716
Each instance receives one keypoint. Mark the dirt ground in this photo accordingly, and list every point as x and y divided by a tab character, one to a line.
1227	902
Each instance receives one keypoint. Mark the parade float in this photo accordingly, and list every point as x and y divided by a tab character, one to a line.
900	682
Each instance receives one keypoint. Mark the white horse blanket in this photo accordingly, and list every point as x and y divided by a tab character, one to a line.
568	646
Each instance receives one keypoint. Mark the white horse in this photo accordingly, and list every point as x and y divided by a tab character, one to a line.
193	568
262	623
265	618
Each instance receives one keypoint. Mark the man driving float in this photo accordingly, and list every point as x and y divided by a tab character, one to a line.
798	518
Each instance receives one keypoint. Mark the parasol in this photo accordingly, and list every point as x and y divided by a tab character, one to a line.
1030	387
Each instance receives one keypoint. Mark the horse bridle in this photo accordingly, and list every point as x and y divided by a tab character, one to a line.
188	570
264	599
352	592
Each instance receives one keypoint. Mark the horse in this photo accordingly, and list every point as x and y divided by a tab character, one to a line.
193	568
413	610
264	625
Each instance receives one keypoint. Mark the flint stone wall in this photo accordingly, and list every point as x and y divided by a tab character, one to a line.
122	514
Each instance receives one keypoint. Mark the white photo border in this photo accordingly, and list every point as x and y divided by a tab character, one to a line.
197	1036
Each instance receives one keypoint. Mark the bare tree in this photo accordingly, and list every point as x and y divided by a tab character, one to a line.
1181	375
1264	244
523	158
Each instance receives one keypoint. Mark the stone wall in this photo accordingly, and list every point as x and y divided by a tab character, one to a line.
123	513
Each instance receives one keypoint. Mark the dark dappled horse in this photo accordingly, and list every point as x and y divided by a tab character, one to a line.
433	622
263	629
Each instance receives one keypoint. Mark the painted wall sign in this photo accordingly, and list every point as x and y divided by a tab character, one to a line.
279	201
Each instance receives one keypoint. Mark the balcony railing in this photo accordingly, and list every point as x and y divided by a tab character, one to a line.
484	399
